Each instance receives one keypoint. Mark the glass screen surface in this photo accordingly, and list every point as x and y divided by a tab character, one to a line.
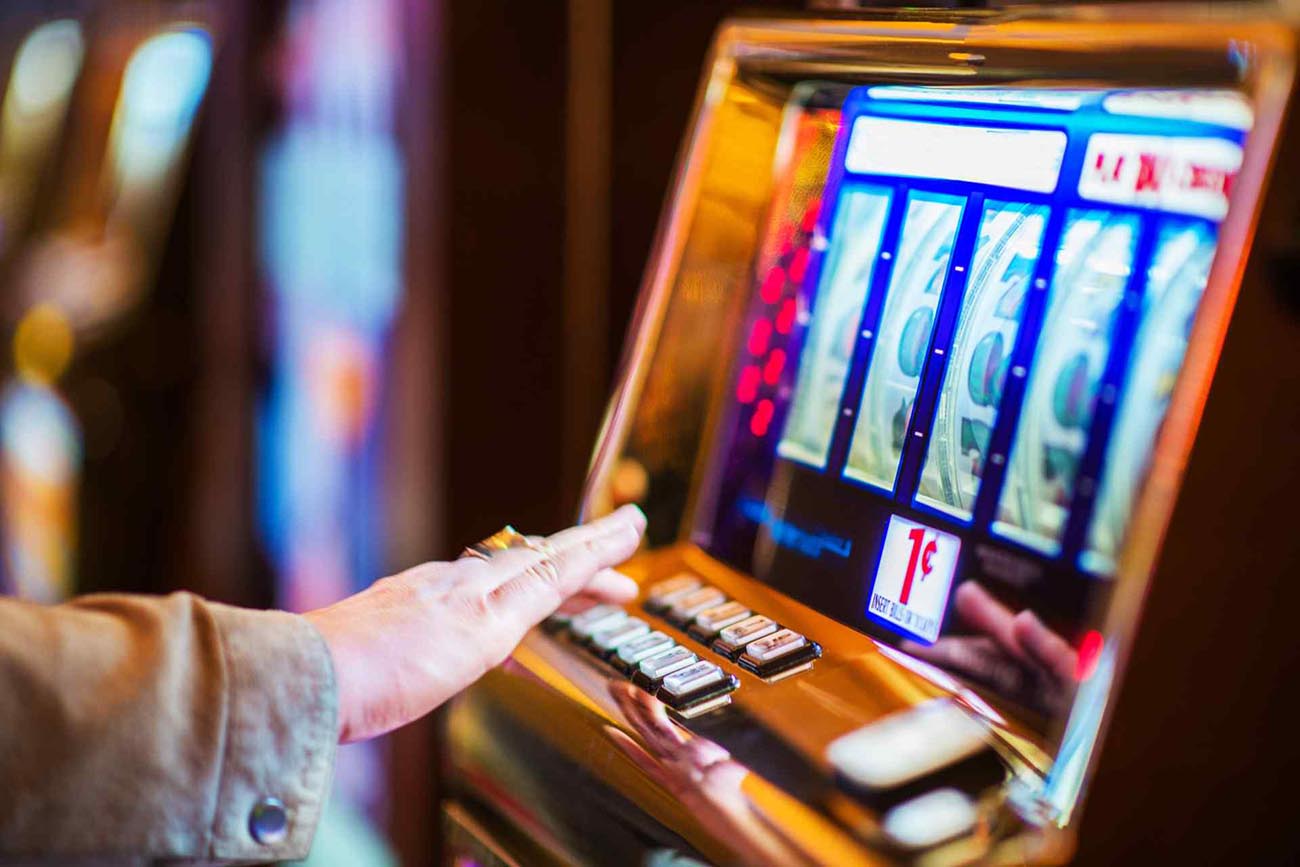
974	369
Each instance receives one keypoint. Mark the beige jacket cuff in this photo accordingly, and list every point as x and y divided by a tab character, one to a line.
280	736
144	727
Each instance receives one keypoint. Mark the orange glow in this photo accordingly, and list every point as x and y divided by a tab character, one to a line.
43	344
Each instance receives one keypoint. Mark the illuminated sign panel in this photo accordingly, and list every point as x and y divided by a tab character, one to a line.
1018	158
1183	175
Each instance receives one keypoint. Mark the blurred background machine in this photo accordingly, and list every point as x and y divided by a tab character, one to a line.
917	367
278	280
202	263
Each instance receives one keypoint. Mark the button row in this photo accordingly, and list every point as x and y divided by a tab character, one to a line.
756	642
652	659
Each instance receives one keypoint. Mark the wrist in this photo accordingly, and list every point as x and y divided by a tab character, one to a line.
323	624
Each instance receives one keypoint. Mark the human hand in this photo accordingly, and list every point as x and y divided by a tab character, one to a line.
1015	654
413	640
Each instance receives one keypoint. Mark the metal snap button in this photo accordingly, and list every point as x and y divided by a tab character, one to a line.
269	821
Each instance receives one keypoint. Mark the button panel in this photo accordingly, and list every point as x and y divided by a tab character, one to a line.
673	672
729	628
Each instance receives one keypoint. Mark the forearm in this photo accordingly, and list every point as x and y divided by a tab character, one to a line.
156	726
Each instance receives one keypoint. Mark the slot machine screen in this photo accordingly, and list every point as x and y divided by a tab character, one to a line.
970	308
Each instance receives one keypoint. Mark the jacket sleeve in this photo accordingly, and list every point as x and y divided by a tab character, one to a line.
162	727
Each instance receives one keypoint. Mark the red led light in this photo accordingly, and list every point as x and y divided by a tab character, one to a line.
810	217
762	418
772	285
799	265
747	388
759	335
1089	654
785	318
775	364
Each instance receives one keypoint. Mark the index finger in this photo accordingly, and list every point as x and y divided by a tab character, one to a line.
573	559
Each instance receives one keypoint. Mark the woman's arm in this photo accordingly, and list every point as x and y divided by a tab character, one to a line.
173	727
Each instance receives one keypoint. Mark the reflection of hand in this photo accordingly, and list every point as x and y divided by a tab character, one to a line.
684	760
412	641
1014	654
700	774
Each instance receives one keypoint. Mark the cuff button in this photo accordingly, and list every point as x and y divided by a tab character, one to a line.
269	821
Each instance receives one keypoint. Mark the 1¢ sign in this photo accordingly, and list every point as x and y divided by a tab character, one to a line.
914	578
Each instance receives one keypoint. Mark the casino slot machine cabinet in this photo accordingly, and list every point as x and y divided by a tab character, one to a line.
926	337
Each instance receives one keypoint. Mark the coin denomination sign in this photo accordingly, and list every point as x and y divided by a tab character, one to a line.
914	578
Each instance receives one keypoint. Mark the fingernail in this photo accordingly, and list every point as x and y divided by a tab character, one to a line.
628	586
633	514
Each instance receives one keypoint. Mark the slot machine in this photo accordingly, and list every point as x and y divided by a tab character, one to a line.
923	346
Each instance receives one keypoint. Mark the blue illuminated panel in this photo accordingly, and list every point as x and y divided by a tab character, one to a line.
894	375
1000	303
1010	241
1093	265
855	239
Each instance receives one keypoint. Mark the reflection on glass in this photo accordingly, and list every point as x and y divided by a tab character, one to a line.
929	229
1010	240
1175	281
1092	270
842	290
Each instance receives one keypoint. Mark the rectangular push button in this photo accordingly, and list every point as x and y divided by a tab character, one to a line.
662	594
701	675
598	618
629	655
654	669
683	611
734	638
781	652
609	640
709	622
699	684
